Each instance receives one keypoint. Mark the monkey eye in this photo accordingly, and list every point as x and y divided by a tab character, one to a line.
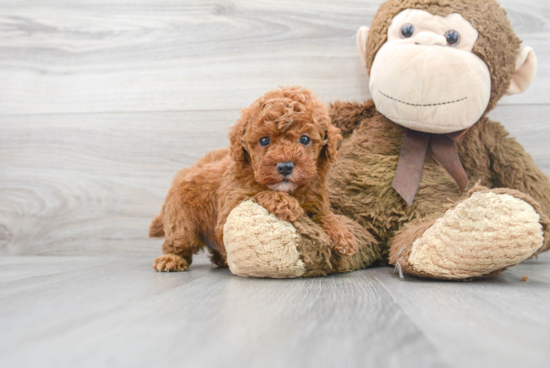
407	31
305	140
264	141
452	37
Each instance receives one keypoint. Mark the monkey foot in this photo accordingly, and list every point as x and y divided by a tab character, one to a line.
258	244
170	263
484	234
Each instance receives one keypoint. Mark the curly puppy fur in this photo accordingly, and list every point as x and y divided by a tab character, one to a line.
202	196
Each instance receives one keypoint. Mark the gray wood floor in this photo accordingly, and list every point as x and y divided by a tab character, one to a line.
102	101
116	312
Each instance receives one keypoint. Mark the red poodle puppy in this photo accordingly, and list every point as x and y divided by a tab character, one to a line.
281	150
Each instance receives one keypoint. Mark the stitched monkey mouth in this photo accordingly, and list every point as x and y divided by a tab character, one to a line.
422	105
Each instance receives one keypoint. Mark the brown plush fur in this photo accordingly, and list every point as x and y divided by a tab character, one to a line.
360	182
201	197
321	261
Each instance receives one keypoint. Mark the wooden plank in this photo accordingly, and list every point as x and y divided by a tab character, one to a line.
95	181
497	322
529	125
149	55
122	313
16	269
91	183
127	315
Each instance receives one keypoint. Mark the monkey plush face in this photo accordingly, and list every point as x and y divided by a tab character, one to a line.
439	69
426	78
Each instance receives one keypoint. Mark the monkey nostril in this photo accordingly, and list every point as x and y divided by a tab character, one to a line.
285	168
430	43
429	39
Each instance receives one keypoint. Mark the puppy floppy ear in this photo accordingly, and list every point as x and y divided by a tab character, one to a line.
331	137
332	140
236	135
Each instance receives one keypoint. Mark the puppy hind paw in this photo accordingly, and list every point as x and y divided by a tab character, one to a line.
170	263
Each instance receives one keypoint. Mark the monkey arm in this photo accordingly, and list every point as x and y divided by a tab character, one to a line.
348	115
514	168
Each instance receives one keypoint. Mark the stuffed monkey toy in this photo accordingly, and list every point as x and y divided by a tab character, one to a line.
424	180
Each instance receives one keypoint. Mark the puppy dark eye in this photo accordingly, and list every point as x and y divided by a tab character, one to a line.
264	141
305	140
407	31
453	38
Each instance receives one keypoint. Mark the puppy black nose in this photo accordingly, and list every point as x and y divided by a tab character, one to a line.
285	168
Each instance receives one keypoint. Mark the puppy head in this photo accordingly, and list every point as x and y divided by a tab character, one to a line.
286	137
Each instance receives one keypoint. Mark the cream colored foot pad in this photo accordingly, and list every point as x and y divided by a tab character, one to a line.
485	233
258	244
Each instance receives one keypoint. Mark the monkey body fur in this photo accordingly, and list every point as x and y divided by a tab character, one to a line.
360	183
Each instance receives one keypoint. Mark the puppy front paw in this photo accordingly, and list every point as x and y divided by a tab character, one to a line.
170	263
342	240
287	211
282	205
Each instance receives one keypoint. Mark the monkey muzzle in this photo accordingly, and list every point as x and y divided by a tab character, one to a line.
428	87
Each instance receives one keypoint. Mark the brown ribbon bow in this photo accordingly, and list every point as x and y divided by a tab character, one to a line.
413	153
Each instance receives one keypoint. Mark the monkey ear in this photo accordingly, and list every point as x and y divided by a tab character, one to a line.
362	36
526	68
236	135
